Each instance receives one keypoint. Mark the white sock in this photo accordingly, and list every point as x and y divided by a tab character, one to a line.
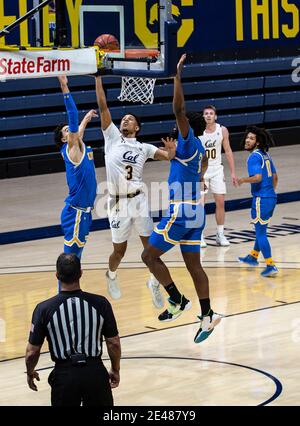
220	229
153	279
112	274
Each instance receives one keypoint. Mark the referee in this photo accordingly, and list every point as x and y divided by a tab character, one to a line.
73	323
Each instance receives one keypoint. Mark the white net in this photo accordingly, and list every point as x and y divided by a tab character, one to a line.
137	89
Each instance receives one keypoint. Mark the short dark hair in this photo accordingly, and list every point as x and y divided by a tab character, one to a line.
263	137
210	107
196	121
68	268
58	135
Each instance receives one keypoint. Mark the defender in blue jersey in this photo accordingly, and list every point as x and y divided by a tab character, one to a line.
263	179
76	217
185	220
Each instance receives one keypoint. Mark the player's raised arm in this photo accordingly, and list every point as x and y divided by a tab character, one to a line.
178	101
85	121
73	136
102	104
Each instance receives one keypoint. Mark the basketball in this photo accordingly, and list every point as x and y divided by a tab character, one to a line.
107	42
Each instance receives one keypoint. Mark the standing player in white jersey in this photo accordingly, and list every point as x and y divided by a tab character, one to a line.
214	138
127	204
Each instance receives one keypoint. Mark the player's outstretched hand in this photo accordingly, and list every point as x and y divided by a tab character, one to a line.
180	64
234	181
92	114
170	147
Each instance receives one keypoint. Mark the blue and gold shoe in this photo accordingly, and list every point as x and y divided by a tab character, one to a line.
248	260
269	271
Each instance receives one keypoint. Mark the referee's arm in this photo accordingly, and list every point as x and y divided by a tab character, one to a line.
33	350
31	360
114	351
112	339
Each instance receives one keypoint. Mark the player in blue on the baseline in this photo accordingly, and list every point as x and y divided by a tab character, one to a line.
263	179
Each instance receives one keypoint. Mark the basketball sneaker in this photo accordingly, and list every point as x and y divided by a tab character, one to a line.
269	271
207	325
203	242
175	310
222	241
248	260
157	297
113	287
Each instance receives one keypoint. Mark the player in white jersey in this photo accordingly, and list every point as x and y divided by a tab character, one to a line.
214	138
127	204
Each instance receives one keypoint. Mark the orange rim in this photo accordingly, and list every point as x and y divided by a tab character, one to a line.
137	53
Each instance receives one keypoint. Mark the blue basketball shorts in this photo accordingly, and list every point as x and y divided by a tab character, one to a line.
183	225
76	227
262	209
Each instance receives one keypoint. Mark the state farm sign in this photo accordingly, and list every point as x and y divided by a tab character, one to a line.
40	65
48	63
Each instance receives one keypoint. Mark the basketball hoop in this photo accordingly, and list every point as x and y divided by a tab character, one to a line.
139	89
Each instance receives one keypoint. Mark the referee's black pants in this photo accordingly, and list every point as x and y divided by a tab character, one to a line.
86	384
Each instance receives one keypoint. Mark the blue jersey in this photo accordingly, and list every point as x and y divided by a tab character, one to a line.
260	162
81	179
186	169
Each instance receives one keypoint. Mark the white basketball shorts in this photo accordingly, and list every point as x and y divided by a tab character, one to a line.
129	212
215	180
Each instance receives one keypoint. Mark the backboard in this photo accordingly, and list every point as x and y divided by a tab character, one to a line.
138	25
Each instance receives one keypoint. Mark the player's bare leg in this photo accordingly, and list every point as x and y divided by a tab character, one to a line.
199	277
151	258
111	275
220	219
117	255
153	283
203	242
177	302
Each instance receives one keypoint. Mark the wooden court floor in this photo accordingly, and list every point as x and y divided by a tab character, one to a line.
251	358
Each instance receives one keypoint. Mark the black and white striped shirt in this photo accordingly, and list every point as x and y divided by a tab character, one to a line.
73	322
